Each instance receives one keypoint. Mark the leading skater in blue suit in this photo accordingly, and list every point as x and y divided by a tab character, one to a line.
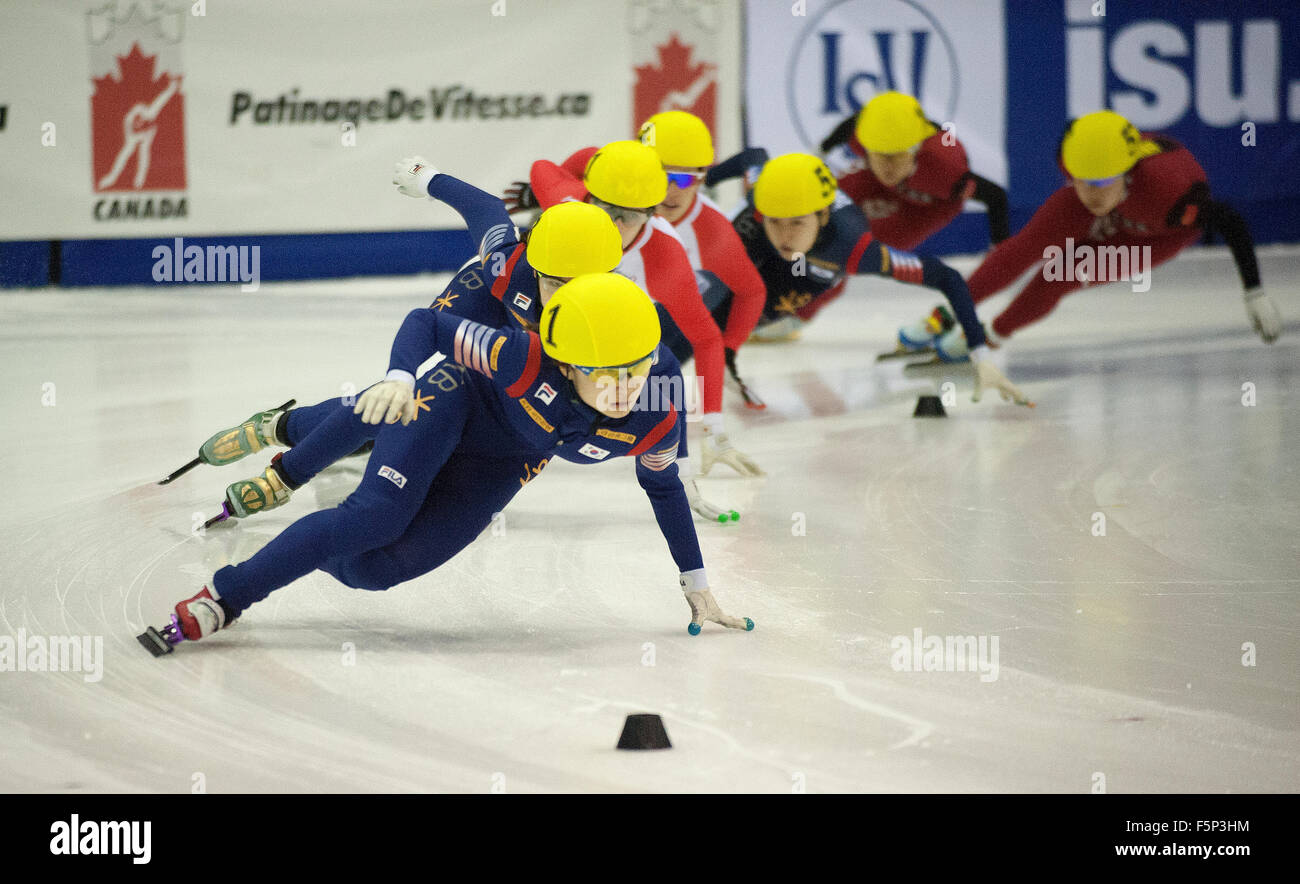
452	448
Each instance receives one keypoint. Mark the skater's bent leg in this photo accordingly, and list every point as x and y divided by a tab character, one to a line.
1039	296
301	422
461	502
336	433
405	461
1037	299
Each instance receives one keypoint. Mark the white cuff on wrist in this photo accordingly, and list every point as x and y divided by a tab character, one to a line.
712	423
397	374
693	581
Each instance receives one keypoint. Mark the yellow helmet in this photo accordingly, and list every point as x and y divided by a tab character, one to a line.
680	139
892	123
794	184
599	320
571	239
627	174
1102	145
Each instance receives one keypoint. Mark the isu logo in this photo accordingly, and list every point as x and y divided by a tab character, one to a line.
137	107
676	84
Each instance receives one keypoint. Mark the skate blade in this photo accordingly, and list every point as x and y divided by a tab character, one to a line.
154	643
902	353
937	368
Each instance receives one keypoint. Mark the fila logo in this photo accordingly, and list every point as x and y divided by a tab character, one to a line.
593	452
546	393
392	475
522	301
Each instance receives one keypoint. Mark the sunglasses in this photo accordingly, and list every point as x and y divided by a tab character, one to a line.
684	180
623	213
1100	182
618	372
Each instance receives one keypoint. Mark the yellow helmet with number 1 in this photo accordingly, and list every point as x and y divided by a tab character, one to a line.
794	184
628	174
680	139
571	239
599	320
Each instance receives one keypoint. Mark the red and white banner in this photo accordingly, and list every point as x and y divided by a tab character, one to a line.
139	118
686	56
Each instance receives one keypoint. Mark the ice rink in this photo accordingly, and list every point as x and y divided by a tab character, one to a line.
1122	658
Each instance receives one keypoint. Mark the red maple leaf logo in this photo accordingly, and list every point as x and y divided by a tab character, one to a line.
138	128
676	84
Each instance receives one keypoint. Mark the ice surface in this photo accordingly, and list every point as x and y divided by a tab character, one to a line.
515	664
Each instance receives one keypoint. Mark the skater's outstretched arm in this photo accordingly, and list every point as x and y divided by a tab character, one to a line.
742	165
1214	215
485	216
994	198
840	134
873	257
933	273
656	470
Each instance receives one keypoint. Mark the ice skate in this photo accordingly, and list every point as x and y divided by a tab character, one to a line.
250	437
194	618
921	335
260	493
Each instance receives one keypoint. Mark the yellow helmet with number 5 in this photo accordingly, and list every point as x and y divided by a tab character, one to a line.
599	320
1102	145
794	184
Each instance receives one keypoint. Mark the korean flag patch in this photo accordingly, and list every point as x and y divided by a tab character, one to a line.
522	301
546	393
594	452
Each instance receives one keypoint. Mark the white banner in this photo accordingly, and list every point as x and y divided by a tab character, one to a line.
169	117
811	63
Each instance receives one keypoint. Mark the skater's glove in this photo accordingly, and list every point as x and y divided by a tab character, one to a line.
412	176
705	607
717	447
387	401
519	197
1263	314
988	375
710	512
